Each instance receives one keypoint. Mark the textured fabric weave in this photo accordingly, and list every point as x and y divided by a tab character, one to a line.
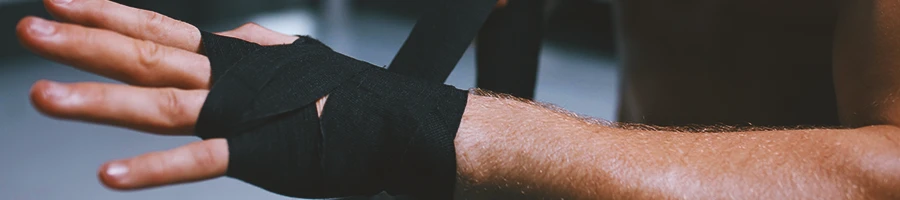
379	131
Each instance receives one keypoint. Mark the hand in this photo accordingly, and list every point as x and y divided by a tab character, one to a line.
169	80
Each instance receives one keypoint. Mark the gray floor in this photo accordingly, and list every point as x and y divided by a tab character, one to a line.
44	158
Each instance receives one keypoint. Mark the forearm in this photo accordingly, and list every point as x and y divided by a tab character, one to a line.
508	148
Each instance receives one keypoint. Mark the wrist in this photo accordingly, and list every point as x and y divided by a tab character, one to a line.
469	142
491	151
472	150
505	150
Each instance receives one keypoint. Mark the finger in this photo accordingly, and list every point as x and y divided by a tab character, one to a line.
260	35
193	162
157	110
133	22
113	55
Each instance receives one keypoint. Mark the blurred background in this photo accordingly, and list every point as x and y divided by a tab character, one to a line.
44	158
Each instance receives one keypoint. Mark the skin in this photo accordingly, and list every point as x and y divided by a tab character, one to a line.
569	157
555	155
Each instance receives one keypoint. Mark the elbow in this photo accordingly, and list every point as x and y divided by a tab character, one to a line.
882	175
876	172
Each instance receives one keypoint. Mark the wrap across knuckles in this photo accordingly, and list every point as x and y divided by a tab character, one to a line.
379	131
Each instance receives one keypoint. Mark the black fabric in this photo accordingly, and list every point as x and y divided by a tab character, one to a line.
508	47
440	37
379	131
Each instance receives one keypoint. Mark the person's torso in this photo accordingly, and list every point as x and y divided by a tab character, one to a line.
737	62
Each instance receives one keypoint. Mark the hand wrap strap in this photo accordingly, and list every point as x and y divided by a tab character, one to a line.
379	131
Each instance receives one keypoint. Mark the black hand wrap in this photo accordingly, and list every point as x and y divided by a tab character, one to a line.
379	131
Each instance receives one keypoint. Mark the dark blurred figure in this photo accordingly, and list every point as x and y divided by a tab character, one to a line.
509	44
508	47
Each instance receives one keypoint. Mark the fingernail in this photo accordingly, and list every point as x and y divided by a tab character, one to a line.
116	171
56	91
61	1
41	27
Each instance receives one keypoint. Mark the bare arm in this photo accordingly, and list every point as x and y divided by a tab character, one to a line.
511	148
505	147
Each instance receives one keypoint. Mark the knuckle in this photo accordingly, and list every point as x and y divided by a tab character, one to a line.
248	29
154	167
173	109
205	157
249	26
155	24
157	163
149	56
153	18
71	36
102	94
